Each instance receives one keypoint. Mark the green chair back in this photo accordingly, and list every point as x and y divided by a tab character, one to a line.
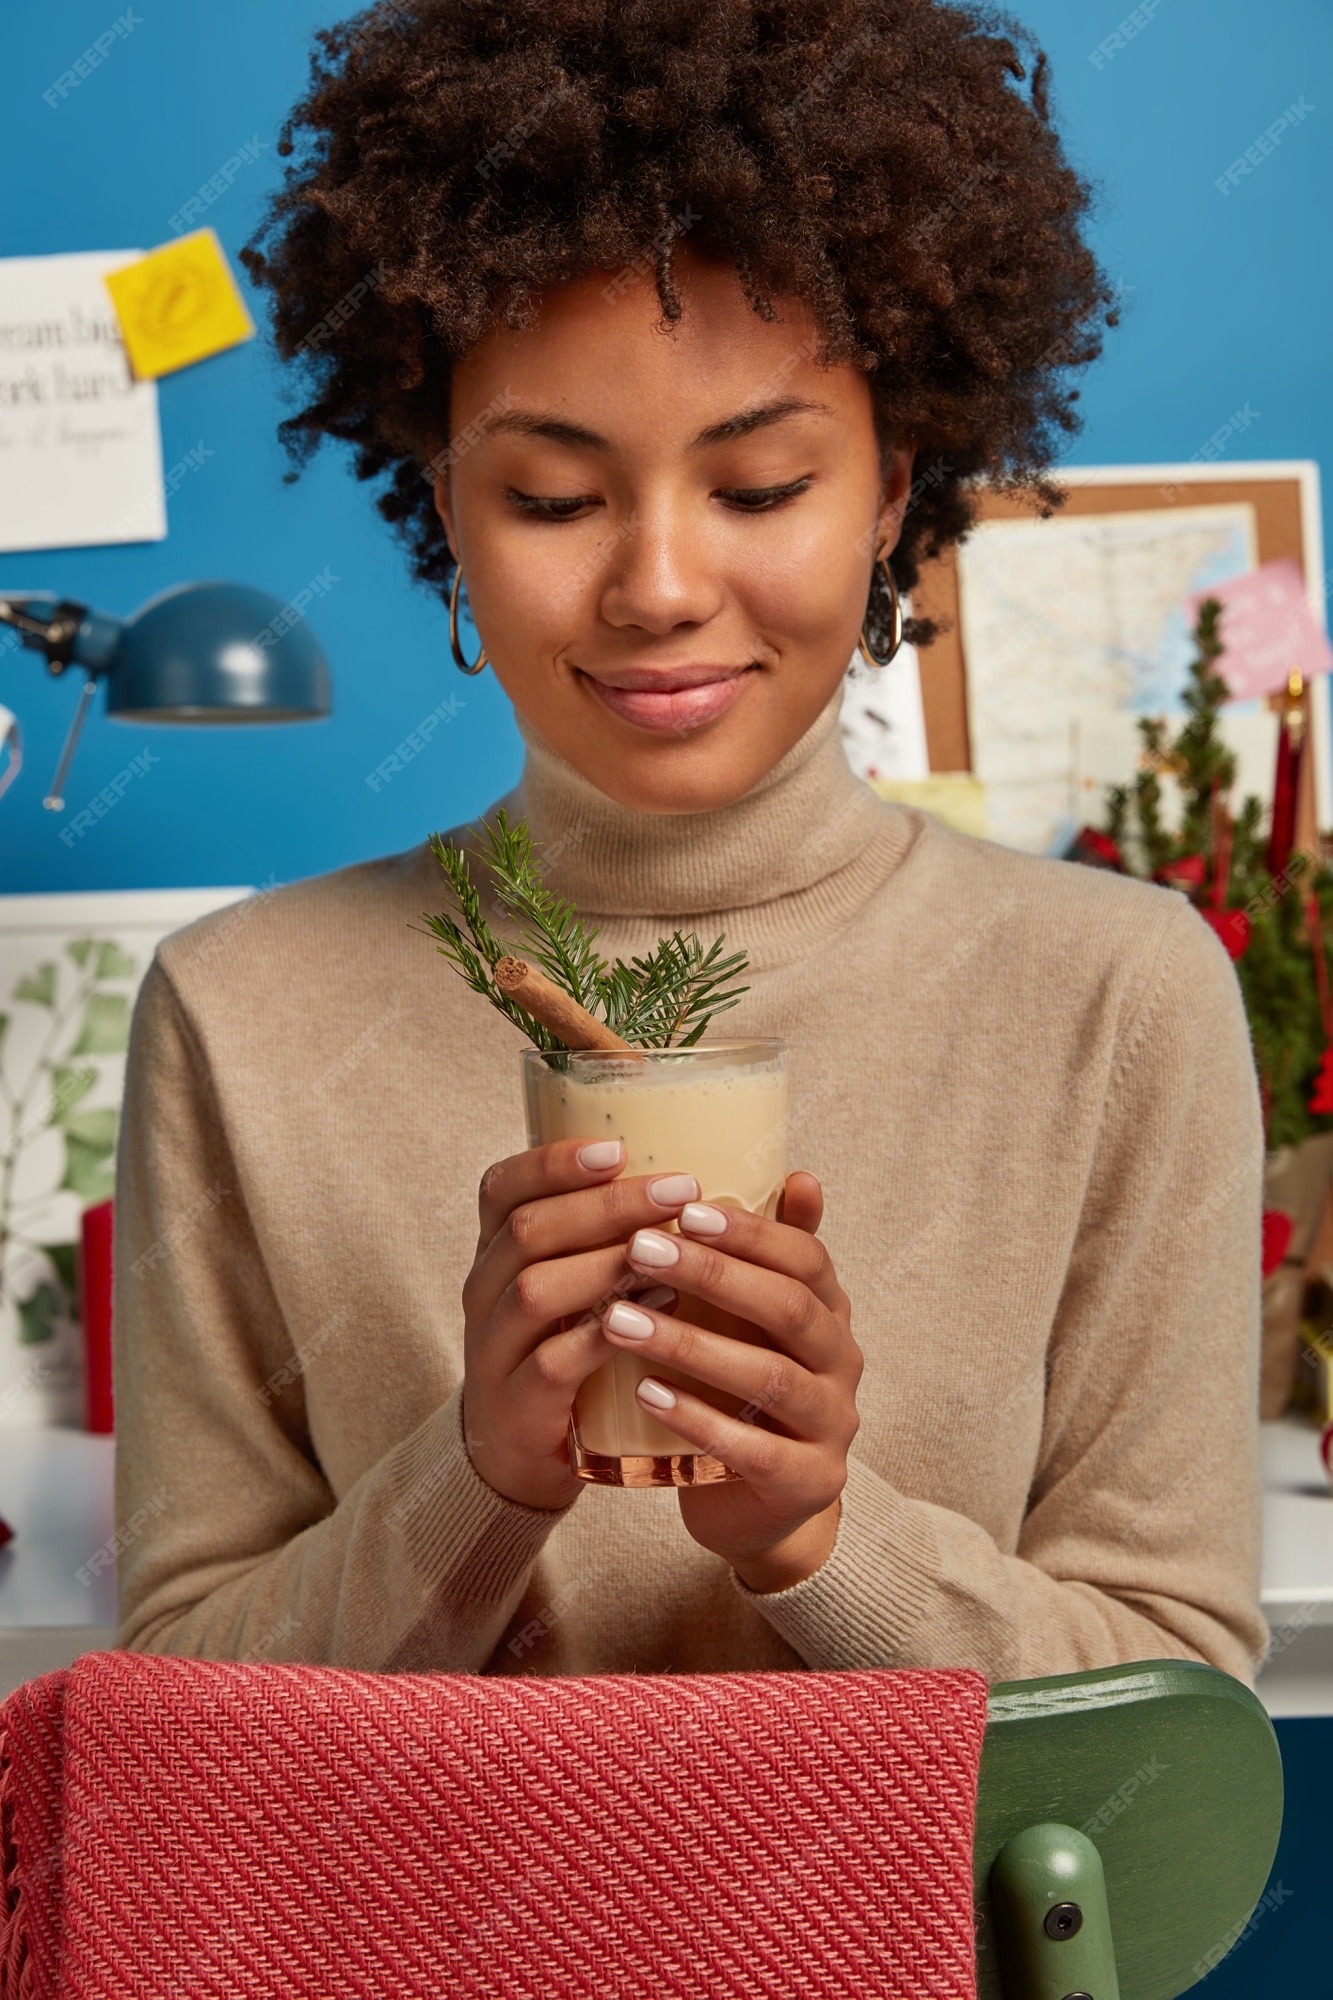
1171	1770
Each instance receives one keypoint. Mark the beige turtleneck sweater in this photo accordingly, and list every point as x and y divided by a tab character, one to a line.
1027	1089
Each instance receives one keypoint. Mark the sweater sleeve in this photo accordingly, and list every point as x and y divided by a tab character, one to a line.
230	1542
1141	1534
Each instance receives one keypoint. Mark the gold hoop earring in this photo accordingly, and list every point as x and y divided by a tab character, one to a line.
863	644
454	647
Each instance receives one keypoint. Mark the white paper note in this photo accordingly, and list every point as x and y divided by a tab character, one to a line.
80	446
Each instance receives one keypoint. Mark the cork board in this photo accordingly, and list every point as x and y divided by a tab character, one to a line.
1285	499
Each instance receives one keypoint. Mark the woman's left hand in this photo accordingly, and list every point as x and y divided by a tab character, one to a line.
777	1523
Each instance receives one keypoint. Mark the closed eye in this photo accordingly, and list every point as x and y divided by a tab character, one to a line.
552	506
761	499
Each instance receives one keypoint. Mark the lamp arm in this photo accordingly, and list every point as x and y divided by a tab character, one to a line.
55	634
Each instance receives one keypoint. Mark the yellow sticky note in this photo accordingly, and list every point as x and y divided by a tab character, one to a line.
178	305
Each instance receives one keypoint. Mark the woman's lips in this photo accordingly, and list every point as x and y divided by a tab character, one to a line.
672	708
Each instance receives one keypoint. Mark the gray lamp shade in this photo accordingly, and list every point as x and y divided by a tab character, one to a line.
212	652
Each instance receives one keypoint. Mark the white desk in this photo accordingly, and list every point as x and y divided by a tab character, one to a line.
55	1492
1297	1587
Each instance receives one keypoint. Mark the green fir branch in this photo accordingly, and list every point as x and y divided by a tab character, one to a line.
663	1000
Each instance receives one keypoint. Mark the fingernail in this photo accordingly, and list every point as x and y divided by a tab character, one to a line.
600	1155
673	1189
629	1321
650	1247
656	1394
701	1220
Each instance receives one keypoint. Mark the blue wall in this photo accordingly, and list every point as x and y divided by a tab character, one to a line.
1229	302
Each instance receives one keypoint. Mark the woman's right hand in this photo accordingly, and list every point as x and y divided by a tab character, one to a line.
554	1225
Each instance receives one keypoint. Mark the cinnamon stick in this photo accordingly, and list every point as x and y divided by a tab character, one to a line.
555	1009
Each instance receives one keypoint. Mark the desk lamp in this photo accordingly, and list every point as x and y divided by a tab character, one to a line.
201	652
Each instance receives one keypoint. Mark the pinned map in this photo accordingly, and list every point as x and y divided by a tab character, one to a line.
1072	629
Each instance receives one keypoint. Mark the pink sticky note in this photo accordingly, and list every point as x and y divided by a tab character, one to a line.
1268	630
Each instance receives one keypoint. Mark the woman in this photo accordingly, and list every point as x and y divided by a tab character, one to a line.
693	316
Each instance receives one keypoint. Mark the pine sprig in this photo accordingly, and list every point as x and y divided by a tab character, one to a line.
678	989
475	953
549	927
665	999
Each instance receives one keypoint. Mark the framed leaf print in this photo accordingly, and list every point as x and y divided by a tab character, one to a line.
70	967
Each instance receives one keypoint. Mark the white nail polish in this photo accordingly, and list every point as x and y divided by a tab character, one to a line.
648	1246
629	1321
600	1155
670	1190
701	1220
655	1394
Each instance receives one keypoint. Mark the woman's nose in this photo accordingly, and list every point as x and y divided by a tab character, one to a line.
657	575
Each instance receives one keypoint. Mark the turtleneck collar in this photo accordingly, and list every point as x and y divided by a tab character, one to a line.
808	823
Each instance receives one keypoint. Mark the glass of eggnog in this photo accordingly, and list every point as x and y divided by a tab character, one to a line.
717	1111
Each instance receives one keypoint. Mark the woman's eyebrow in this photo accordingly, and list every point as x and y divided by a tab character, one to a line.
531	423
756	416
559	430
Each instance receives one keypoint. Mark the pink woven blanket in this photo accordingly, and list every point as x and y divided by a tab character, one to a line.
177	1827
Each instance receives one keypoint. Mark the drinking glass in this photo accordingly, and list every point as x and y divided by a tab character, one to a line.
717	1111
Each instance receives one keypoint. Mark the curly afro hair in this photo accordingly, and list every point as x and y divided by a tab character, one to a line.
877	159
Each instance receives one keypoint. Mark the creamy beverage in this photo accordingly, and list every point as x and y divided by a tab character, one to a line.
719	1112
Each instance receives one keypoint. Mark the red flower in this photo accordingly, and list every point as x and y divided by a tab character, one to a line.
1321	1100
1233	927
1190	872
1097	850
1277	1239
